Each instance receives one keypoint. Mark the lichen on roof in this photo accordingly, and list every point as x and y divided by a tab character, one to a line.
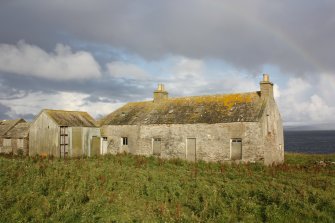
243	107
71	118
20	130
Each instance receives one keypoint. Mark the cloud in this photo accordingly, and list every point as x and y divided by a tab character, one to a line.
3	110
300	104
189	76
120	69
33	103
296	36
62	64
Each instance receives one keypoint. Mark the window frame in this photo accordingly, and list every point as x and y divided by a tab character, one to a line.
124	141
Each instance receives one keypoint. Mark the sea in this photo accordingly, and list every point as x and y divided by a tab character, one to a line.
310	141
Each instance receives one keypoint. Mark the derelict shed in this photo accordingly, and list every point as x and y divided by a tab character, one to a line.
243	127
6	143
19	136
64	134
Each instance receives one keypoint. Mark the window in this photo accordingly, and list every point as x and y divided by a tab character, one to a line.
104	138
7	142
124	141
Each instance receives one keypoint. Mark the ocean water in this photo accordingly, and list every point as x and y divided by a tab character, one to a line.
310	141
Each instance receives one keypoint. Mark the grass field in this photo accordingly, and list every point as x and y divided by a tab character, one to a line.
127	188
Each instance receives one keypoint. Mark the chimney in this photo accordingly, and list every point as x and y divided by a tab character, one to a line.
266	87
160	94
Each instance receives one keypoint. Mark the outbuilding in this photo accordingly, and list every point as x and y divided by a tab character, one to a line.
19	137
13	136
63	134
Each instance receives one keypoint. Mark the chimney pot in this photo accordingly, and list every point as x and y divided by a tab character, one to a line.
160	94
266	87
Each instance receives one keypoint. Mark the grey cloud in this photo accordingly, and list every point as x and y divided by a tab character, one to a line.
3	110
298	36
17	86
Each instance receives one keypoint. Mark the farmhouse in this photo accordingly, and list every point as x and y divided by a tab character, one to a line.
14	136
63	134
243	127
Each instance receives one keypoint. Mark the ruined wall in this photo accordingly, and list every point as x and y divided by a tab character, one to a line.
114	134
14	145
44	137
273	134
212	140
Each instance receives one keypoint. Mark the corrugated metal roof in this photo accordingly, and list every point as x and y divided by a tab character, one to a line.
6	125
71	118
244	107
21	130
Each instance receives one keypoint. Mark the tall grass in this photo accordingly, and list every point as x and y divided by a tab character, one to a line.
127	188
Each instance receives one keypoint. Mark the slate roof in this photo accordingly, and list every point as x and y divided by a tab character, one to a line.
244	107
71	118
21	130
6	125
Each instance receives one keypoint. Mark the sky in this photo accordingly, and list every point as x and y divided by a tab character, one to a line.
97	55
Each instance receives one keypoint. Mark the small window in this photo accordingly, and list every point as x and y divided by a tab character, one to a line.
124	141
104	138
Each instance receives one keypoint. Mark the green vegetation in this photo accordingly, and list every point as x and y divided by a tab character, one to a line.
127	188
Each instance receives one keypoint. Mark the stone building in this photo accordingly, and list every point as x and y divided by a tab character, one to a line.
63	134
13	136
243	127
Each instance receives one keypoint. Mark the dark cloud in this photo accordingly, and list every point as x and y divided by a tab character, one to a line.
3	110
106	88
298	36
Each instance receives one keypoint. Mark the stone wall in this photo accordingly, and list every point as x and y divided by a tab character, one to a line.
212	140
273	134
114	136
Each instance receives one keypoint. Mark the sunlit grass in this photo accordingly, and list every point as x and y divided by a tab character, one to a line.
127	188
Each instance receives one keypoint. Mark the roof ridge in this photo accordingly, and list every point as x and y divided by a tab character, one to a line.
60	110
197	96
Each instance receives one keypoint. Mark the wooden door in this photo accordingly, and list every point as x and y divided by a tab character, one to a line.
95	146
104	145
157	143
236	149
191	152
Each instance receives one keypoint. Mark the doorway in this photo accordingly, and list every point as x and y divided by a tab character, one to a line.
191	153
157	146
236	149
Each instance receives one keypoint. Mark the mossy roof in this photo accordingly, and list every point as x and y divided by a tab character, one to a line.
71	118
243	107
6	125
20	130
